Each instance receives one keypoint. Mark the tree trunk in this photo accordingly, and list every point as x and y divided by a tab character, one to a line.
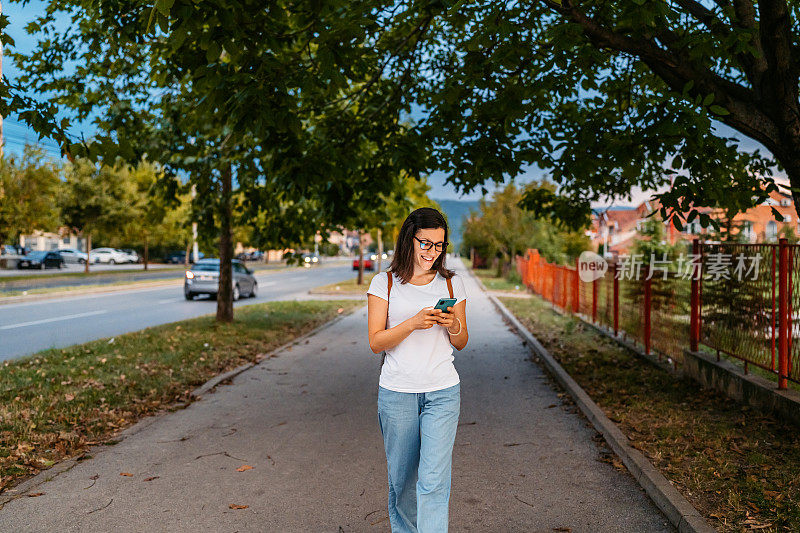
225	289
380	250
146	254
88	252
360	280
186	255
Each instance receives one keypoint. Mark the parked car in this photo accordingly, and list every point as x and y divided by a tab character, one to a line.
41	260
368	264
133	256
203	278
251	256
8	249
13	249
71	255
108	256
179	257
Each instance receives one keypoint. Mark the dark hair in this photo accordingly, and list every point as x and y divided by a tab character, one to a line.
403	260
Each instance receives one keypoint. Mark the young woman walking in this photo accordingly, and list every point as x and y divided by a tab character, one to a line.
419	391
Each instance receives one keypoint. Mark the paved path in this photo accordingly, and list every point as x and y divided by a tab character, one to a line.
307	423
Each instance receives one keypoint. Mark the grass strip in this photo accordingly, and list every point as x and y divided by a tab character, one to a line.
55	403
346	287
91	274
72	288
738	467
493	283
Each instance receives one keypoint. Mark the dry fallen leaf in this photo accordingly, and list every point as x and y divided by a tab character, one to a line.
234	506
151	478
125	474
35	494
243	468
340	310
69	397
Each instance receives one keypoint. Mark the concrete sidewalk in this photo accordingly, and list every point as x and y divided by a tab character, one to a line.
306	421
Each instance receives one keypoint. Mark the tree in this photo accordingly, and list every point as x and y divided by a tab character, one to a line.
608	95
163	220
95	199
502	230
279	103
27	187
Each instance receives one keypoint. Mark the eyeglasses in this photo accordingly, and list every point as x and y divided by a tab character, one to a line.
426	245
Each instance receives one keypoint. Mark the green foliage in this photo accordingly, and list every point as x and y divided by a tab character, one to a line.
651	242
27	187
97	199
503	229
603	95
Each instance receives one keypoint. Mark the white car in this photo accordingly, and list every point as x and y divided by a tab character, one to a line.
108	256
132	256
72	255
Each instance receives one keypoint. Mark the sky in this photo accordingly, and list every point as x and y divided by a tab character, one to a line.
17	134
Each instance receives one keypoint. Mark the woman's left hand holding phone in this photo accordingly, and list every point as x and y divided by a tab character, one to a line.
446	319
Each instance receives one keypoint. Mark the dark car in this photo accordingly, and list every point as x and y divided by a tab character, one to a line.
368	264
178	258
203	278
41	260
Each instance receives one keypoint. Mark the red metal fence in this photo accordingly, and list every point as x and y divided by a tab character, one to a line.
737	299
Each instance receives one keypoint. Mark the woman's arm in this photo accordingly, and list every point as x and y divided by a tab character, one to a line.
380	338
451	320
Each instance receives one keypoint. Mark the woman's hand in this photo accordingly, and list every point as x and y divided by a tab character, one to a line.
446	320
425	319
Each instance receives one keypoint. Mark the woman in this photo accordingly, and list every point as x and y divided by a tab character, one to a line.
419	391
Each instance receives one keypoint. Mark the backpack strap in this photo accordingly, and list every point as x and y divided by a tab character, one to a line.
449	287
388	293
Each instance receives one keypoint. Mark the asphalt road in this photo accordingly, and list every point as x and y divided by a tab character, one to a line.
26	328
74	267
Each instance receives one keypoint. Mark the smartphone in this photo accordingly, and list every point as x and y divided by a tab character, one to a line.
444	303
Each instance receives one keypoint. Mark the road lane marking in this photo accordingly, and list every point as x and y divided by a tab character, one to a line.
54	319
170	300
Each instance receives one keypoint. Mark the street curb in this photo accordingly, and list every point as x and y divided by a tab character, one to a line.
94	290
666	497
44	476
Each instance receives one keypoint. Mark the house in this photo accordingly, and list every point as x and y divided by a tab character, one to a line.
46	241
617	227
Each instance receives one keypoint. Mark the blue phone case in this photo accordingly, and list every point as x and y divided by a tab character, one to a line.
444	303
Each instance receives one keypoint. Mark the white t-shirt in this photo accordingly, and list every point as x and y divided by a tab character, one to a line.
423	361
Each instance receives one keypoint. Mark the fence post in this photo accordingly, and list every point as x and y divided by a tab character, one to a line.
647	294
616	297
694	327
783	313
576	296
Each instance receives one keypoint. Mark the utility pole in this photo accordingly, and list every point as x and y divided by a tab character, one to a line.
195	253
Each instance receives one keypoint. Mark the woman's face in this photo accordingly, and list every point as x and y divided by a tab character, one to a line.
424	259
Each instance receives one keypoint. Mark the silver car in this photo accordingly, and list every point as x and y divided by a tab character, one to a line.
203	278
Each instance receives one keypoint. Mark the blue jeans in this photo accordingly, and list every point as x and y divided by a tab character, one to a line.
418	433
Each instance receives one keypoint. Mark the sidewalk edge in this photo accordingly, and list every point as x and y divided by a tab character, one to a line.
675	507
